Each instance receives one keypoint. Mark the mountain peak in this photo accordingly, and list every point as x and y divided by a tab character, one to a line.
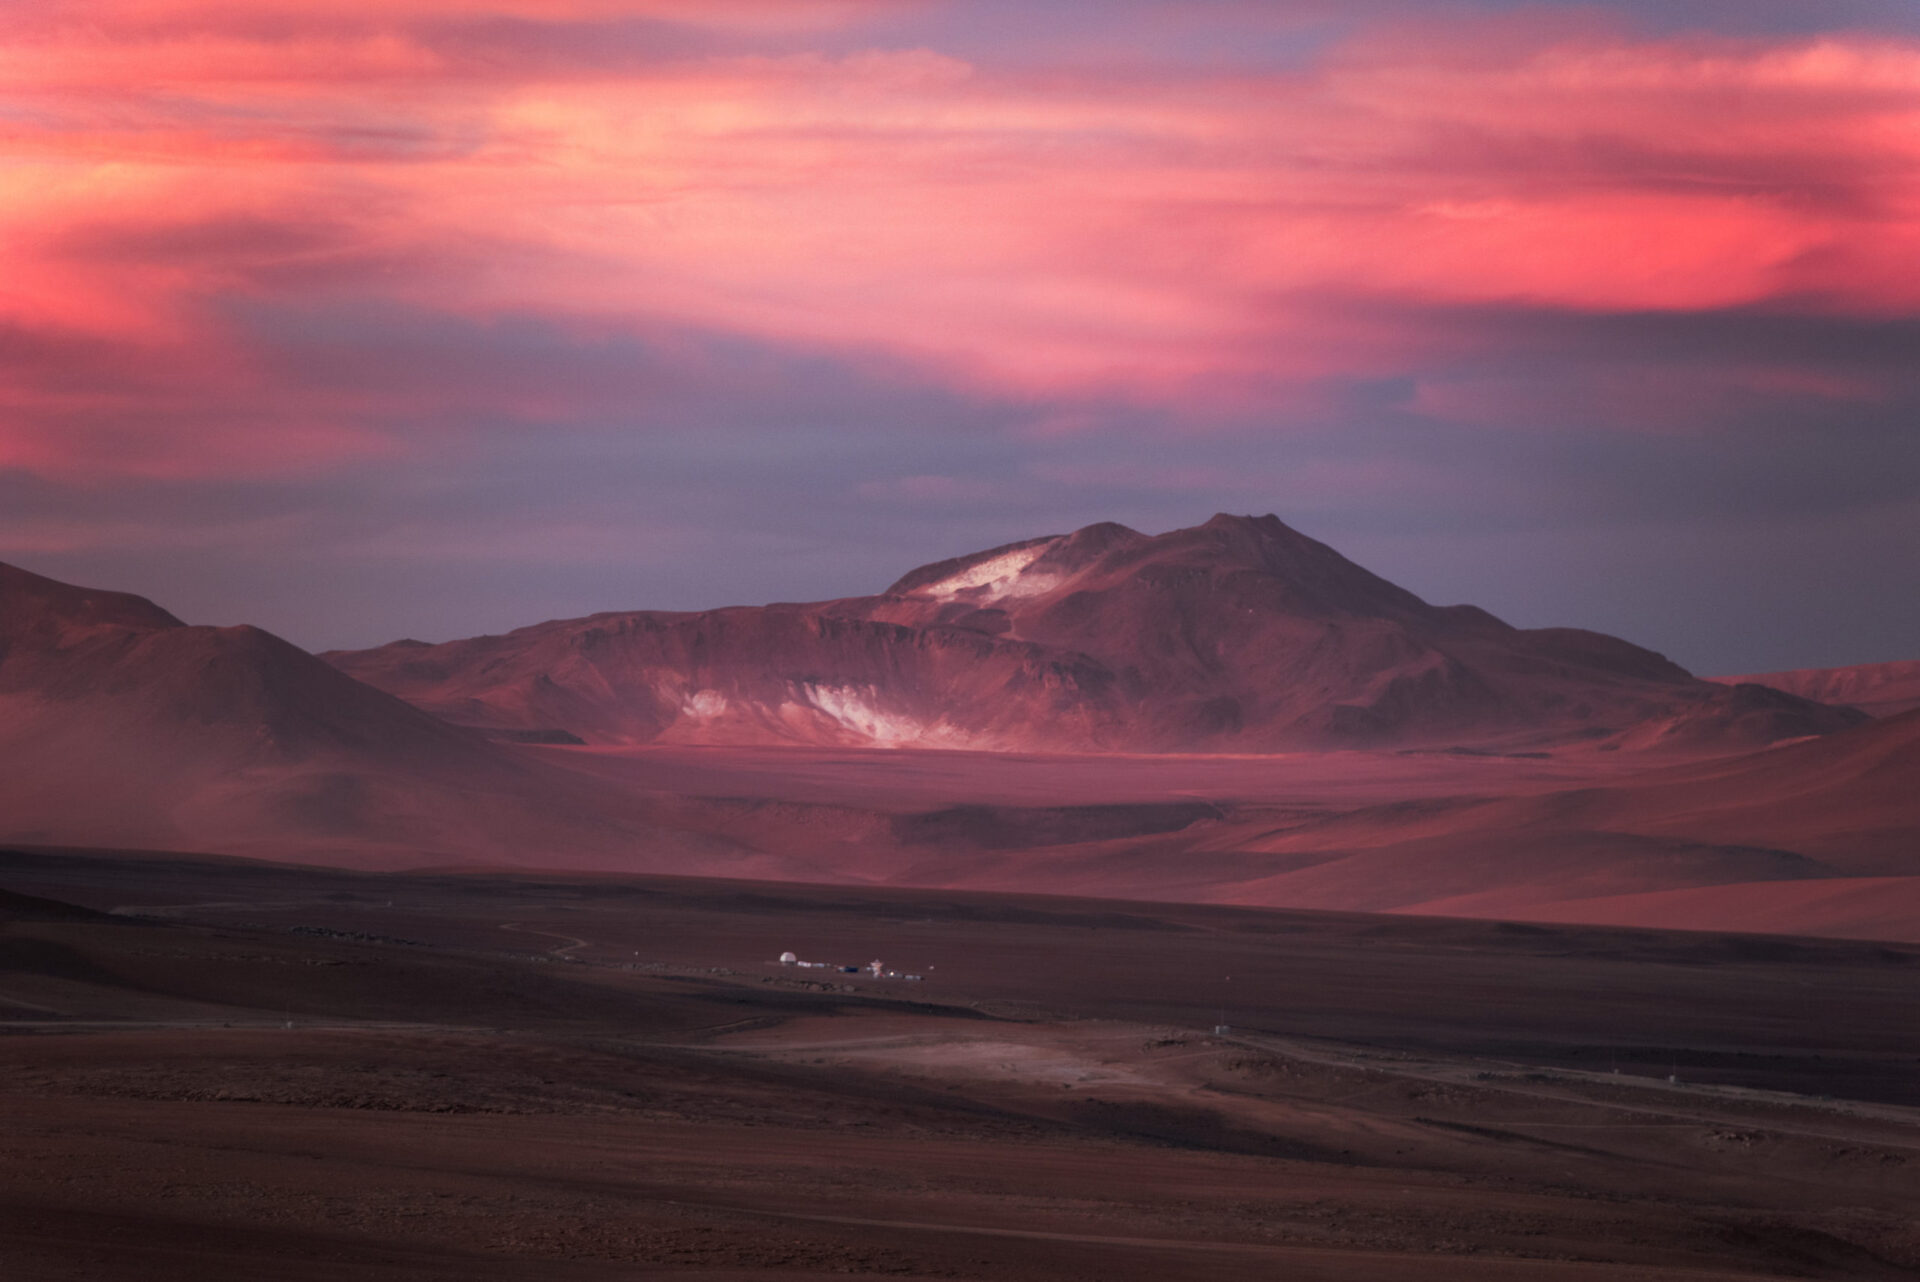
1268	524
1105	534
1248	532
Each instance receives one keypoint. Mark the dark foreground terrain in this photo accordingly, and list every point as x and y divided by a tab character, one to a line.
216	1069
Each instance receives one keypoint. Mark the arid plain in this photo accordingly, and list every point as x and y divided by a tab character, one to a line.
226	1069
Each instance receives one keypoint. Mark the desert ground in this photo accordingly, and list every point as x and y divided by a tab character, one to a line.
213	1068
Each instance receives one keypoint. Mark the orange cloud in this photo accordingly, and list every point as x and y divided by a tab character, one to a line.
1167	236
751	15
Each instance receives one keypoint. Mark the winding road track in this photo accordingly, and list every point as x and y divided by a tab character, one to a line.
572	941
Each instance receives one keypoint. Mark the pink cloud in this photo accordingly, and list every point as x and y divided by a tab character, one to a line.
1159	237
752	15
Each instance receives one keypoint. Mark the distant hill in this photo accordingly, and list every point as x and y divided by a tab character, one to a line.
1239	635
1880	689
1837	819
121	725
1820	836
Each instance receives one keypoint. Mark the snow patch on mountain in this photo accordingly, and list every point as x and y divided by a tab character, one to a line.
703	705
995	578
857	709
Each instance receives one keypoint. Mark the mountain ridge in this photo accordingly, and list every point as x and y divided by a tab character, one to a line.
1879	689
1237	635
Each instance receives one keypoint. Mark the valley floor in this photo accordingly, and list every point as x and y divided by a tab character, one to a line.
214	1069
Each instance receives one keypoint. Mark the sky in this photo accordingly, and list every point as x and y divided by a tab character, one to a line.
438	317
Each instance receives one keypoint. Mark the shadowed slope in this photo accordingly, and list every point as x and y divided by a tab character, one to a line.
119	724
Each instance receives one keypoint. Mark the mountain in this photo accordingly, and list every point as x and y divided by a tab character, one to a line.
121	725
1880	689
1239	635
70	656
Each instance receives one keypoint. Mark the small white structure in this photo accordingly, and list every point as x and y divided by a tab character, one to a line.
876	968
788	959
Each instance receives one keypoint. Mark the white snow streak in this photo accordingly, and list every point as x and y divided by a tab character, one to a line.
997	577
703	704
855	709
